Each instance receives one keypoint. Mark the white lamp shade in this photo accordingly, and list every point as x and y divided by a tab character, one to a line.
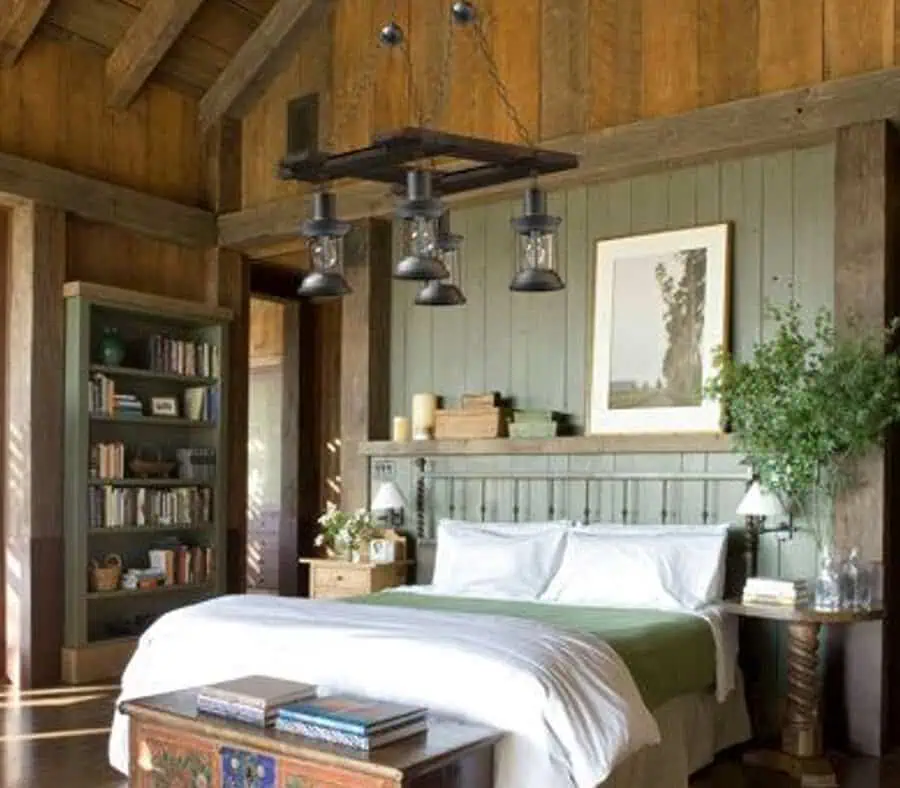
760	502
387	498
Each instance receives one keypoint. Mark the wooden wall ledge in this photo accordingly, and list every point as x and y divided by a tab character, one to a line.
682	443
99	201
786	119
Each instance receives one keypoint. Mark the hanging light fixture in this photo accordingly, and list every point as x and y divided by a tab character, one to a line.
326	250
446	293
536	258
420	212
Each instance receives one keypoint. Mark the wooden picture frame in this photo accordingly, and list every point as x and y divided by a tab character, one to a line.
661	311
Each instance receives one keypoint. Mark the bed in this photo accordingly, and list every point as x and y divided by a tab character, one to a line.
639	690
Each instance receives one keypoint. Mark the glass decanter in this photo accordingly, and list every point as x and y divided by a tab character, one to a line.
828	582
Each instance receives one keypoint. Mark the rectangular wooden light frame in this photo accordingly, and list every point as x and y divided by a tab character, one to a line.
390	155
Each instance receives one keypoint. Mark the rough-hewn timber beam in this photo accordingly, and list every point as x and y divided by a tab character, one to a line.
256	63
99	201
143	46
18	19
752	125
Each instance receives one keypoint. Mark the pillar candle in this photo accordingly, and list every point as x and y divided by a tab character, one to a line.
400	433
423	410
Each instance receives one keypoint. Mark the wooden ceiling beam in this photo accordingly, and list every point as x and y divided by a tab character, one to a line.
770	122
144	45
256	64
104	202
18	20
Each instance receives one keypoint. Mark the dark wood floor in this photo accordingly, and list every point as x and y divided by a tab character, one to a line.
57	739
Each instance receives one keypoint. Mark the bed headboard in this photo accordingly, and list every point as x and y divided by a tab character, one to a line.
621	497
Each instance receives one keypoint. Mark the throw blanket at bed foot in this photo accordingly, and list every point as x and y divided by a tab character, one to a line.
572	709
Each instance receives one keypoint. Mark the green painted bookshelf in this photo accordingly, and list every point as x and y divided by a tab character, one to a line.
144	465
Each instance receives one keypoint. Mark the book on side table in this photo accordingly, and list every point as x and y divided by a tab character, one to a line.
352	721
251	699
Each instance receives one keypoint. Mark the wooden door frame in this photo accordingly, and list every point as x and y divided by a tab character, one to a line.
300	456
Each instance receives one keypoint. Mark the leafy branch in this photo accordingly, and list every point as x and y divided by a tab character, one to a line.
806	407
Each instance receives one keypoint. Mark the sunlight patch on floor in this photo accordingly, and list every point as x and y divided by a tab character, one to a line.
23	737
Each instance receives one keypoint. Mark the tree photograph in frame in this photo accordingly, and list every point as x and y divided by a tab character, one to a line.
661	310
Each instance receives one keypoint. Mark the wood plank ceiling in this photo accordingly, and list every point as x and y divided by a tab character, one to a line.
223	52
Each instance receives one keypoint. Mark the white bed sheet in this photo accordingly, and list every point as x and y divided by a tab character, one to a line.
570	705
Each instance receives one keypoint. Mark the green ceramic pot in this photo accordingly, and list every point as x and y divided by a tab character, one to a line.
112	348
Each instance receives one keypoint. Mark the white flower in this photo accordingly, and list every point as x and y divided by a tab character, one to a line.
320	540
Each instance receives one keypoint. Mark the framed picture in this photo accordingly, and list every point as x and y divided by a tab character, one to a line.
381	551
661	310
163	406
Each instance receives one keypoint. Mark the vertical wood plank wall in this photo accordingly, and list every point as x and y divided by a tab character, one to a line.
535	347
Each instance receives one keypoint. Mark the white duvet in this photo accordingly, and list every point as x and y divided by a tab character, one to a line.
570	705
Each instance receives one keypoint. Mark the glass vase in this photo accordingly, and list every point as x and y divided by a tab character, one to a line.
856	583
112	348
828	594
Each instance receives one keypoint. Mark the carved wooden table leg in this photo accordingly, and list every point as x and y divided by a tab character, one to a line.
801	753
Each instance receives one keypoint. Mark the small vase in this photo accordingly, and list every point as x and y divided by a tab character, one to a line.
112	348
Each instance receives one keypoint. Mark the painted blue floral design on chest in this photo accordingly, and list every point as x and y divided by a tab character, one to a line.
241	769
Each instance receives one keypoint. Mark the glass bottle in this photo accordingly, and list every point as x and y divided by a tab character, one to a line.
856	582
828	582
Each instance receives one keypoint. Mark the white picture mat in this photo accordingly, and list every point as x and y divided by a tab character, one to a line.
706	417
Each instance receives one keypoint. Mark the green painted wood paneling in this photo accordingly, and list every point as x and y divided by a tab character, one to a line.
535	348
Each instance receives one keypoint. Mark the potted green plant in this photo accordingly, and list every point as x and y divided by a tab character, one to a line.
343	533
808	405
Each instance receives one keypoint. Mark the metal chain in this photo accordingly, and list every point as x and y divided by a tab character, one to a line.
443	76
351	98
499	86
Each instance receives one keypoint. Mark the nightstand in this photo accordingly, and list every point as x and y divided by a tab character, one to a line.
331	579
801	754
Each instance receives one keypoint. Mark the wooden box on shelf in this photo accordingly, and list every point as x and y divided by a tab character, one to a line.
333	579
461	423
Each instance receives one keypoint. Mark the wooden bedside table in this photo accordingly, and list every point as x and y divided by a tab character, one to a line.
331	579
801	754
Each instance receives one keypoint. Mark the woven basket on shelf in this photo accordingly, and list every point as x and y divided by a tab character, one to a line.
106	577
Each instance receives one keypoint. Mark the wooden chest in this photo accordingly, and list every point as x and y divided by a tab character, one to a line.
330	579
172	745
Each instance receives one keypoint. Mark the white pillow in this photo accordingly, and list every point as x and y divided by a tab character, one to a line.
649	529
513	560
672	570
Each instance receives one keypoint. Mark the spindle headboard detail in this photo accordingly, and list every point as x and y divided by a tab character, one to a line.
677	497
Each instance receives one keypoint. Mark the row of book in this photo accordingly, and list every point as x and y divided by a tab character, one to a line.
298	708
183	357
183	564
775	591
107	460
201	403
137	507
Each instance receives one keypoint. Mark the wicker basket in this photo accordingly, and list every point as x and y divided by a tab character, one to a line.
106	577
469	423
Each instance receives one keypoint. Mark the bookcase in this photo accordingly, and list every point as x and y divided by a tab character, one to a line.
144	466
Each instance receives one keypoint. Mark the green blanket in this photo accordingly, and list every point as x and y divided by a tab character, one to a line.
668	653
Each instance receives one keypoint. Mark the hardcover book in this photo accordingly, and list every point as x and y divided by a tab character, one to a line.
257	692
347	739
353	714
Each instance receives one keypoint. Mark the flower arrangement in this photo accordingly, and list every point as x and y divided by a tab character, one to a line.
342	533
808	405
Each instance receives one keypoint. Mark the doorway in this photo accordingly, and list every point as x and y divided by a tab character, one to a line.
265	444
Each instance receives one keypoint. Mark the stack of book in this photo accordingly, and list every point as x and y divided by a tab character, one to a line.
772	591
361	723
251	699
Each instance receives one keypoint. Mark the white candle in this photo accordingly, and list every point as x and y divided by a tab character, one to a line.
400	433
423	410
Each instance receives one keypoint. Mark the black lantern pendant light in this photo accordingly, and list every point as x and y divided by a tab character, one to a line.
446	293
536	257
326	249
420	212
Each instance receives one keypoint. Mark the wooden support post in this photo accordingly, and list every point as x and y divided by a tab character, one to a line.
228	279
867	207
365	353
33	458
